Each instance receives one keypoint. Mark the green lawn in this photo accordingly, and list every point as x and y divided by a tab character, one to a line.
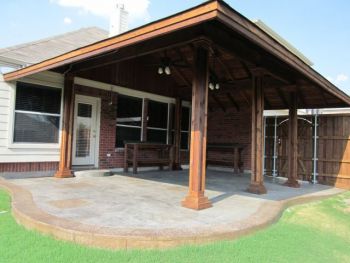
317	232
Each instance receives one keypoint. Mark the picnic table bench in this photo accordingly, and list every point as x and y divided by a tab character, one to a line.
146	154
225	154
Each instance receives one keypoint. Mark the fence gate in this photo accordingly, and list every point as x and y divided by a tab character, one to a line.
276	147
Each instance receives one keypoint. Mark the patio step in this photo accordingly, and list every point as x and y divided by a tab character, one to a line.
92	173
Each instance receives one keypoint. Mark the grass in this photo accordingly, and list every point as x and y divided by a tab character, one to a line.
316	232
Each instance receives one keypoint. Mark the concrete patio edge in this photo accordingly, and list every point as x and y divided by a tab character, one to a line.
26	213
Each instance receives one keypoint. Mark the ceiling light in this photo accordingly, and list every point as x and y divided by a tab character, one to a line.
217	86
160	71
167	70
211	86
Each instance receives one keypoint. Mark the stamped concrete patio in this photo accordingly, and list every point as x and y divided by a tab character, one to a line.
127	211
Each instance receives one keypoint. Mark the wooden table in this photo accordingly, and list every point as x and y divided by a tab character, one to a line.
146	154
233	149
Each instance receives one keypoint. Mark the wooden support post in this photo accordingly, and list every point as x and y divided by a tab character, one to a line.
293	142
177	135
65	164
257	179
196	199
144	120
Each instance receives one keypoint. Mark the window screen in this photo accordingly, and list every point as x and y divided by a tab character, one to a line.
37	114
157	126
129	118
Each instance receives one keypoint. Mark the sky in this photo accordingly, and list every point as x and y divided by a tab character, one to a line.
320	29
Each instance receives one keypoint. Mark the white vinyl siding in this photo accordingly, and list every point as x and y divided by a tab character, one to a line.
9	152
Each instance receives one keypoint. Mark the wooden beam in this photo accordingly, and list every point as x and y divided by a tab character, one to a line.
257	178
196	198
226	69
218	102
183	58
150	47
282	97
293	142
183	78
65	164
233	101
246	68
301	97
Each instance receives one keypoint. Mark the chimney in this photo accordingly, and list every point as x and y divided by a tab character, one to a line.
119	20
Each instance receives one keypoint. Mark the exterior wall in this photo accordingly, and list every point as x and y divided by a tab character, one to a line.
109	156
25	167
223	127
20	157
231	127
107	126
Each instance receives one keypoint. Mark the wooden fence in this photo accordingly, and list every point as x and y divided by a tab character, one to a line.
332	148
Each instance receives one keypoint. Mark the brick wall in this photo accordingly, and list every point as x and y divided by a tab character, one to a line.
231	127
107	126
223	127
25	167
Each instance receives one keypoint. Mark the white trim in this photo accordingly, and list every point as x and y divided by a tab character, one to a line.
128	126
34	79
122	90
46	78
97	102
157	129
38	113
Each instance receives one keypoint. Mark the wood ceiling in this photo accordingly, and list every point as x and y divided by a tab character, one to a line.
233	60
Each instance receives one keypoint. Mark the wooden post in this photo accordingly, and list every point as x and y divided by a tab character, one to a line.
65	164
293	142
195	198
144	120
257	179
177	135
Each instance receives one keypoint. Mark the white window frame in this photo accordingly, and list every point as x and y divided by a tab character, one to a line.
167	124
13	111
131	126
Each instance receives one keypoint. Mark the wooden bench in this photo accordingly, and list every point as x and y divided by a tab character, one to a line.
143	154
232	158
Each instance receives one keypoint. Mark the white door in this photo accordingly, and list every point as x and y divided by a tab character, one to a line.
85	140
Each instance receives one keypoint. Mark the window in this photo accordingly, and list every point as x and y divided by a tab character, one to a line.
185	127
157	126
129	120
37	114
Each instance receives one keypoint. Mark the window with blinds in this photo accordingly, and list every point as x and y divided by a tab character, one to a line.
157	128
129	120
37	114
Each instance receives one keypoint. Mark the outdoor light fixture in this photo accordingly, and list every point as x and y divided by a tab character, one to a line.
211	86
213	83
167	70
164	66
